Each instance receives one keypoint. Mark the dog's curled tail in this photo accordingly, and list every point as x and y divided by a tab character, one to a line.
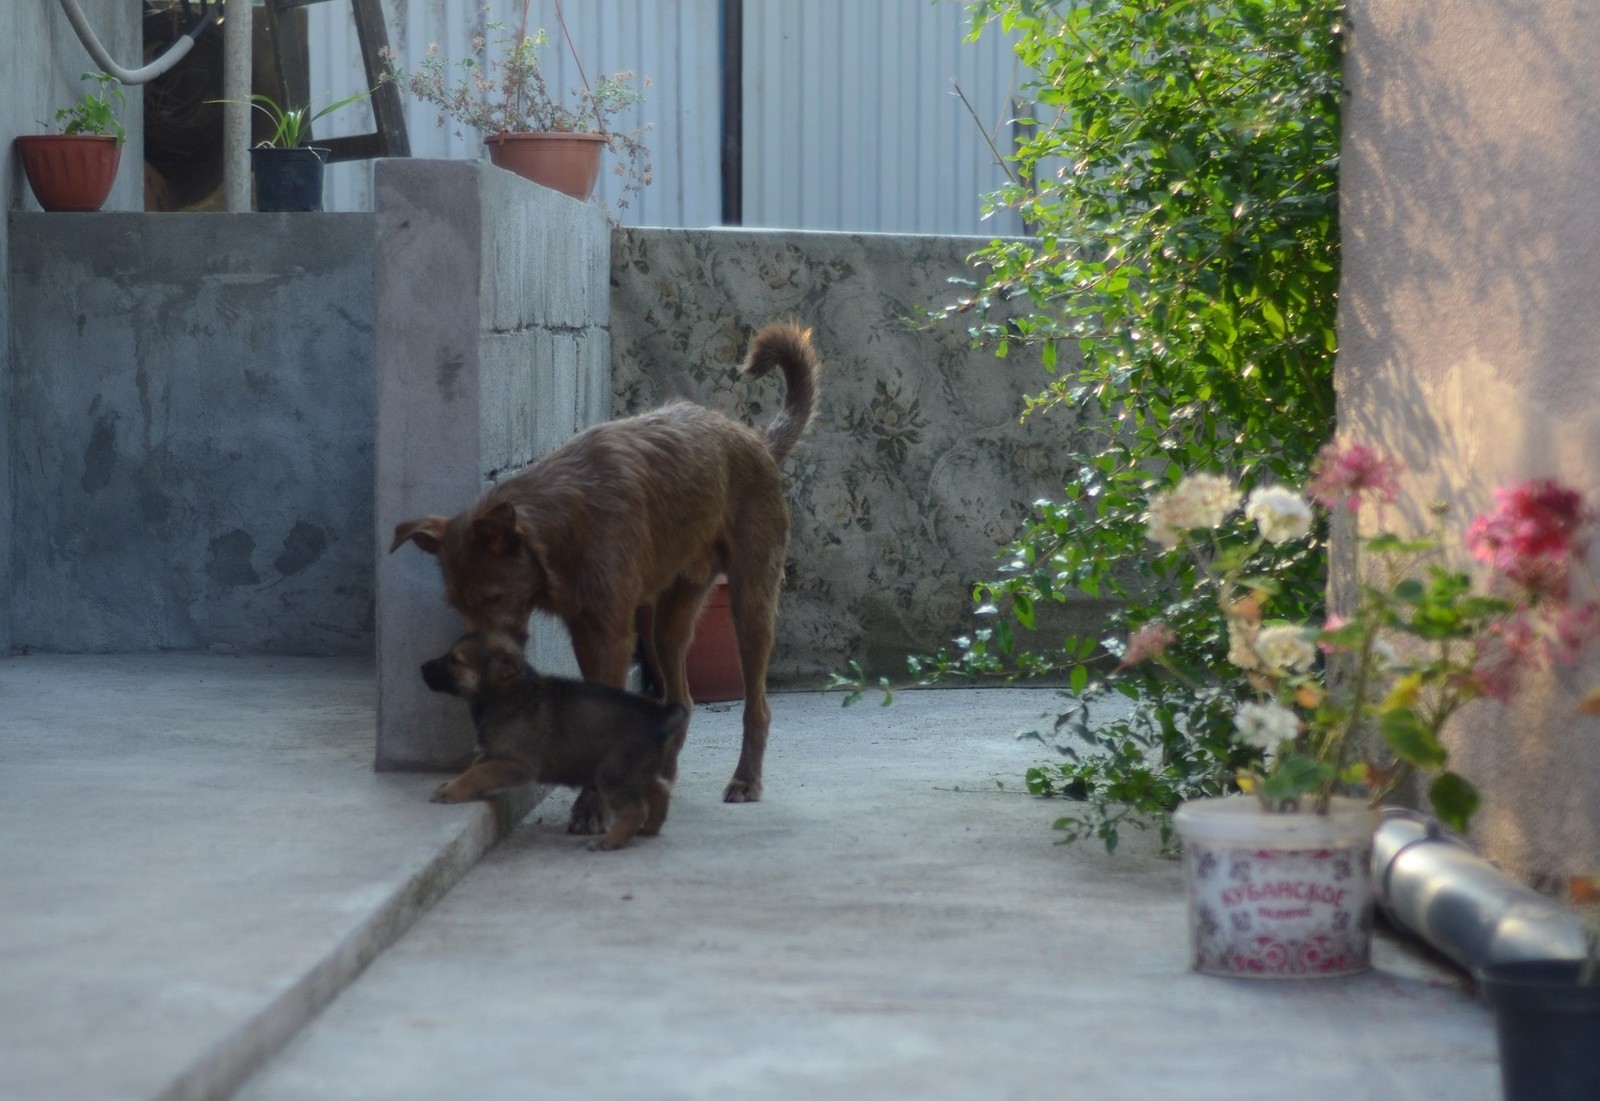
787	346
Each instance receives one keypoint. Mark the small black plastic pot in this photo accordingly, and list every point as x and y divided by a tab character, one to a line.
288	179
1548	1025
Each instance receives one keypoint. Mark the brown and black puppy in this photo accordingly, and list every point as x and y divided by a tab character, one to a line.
537	729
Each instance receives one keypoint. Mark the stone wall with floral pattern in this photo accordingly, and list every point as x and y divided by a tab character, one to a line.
917	469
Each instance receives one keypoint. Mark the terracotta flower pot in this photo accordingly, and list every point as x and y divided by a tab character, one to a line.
563	161
70	172
713	661
1275	896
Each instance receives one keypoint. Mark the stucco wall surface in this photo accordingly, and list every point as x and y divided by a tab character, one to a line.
40	64
1468	330
917	469
193	415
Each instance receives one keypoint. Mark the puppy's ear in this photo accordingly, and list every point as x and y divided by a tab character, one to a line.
498	532
503	668
427	533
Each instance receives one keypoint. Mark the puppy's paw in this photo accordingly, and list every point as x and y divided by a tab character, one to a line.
742	791
588	816
449	792
605	845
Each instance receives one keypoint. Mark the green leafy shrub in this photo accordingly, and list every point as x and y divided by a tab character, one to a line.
1181	186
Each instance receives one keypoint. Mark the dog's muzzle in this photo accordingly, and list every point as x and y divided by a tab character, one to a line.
436	675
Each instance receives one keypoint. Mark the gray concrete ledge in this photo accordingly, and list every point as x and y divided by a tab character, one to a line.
199	858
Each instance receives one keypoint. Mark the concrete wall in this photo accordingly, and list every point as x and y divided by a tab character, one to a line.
192	410
492	349
40	62
1468	329
917	470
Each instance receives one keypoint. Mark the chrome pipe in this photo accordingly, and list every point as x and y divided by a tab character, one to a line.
1430	883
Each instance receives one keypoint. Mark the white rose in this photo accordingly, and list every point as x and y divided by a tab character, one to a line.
1242	645
1279	513
1286	646
1199	501
1266	725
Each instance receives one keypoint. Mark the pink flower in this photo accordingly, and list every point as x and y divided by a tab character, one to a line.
1149	641
1573	628
1344	472
1531	534
1504	652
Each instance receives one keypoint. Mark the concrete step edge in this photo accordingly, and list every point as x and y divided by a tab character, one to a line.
220	1072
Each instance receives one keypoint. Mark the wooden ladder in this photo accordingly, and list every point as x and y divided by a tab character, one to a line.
286	31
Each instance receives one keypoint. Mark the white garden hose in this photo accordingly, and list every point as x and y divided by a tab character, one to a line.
175	53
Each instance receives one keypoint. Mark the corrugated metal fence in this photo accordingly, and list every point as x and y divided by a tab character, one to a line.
850	117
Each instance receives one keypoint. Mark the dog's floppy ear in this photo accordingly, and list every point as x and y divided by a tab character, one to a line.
497	531
427	533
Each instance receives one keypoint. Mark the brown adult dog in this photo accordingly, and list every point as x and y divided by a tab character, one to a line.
642	513
555	731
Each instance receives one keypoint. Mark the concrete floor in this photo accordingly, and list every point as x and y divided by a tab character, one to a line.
199	857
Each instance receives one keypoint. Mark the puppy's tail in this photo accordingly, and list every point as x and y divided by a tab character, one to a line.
787	346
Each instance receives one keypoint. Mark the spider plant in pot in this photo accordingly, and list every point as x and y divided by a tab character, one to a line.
287	171
500	90
74	168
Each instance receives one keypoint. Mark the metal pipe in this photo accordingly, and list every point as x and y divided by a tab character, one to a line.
236	88
1432	884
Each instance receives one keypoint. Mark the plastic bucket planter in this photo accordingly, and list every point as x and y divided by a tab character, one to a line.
1278	896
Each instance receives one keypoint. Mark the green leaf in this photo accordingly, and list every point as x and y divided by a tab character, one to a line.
1454	801
1293	777
1411	739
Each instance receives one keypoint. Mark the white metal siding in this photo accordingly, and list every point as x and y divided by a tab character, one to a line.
850	119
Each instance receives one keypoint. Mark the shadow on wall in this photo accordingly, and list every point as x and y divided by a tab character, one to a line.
1468	337
917	470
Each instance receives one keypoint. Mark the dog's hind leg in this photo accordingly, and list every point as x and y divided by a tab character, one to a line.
629	817
753	583
677	610
656	797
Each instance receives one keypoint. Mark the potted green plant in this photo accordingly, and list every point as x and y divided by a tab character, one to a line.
1279	876
500	91
288	173
74	168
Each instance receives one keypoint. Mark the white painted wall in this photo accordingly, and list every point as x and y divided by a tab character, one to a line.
850	118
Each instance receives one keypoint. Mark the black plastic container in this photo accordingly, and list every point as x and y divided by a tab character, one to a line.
288	179
1549	1029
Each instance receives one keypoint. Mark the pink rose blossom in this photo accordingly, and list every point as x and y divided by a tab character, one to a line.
1345	472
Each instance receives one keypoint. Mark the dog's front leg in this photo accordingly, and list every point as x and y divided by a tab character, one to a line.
485	777
603	651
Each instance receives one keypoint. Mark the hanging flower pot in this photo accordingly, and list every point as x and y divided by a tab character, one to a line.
1275	895
1548	1024
70	172
568	162
288	179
